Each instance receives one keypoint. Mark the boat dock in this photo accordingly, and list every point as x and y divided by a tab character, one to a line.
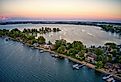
77	66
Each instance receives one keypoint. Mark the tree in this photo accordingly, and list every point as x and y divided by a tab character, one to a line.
102	58
59	43
61	49
30	37
41	40
49	43
68	46
72	52
34	41
114	52
119	59
98	51
78	45
54	29
81	53
111	45
110	57
15	30
99	64
58	29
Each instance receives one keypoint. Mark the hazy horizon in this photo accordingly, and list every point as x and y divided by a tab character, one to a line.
78	10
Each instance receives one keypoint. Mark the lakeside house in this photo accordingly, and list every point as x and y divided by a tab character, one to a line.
48	46
90	57
113	68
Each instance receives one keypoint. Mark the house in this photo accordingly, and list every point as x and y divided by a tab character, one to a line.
108	65
90	57
51	47
46	46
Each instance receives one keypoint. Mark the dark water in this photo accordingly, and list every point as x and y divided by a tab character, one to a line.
19	63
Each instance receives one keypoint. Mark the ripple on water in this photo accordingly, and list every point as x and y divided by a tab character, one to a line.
23	64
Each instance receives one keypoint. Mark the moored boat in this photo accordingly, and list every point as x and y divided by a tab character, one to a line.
110	79
77	66
41	51
106	77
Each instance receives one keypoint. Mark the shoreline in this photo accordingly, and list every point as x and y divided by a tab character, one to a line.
68	57
81	62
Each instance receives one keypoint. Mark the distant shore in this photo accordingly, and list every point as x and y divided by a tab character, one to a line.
59	22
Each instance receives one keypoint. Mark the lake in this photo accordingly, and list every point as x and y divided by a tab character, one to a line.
89	35
20	63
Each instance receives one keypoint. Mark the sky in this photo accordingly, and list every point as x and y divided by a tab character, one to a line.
62	9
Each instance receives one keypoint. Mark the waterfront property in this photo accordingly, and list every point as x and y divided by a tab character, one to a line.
74	50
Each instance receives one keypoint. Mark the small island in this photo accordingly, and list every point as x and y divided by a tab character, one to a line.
112	28
105	58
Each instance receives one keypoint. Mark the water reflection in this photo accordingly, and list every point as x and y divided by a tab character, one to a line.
89	35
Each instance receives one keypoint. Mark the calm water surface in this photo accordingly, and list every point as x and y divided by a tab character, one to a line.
89	35
19	63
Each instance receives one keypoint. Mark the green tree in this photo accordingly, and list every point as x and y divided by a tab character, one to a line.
114	52
119	59
61	49
110	57
72	52
99	64
59	43
68	46
41	40
81	53
98	51
30	37
34	41
78	45
54	29
111	45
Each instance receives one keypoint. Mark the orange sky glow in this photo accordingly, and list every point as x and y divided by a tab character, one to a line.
62	9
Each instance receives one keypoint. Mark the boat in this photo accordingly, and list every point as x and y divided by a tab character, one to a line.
81	65
56	56
106	77
53	55
110	79
77	68
41	51
75	65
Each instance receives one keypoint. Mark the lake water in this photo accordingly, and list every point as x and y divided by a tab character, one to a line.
19	63
89	35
